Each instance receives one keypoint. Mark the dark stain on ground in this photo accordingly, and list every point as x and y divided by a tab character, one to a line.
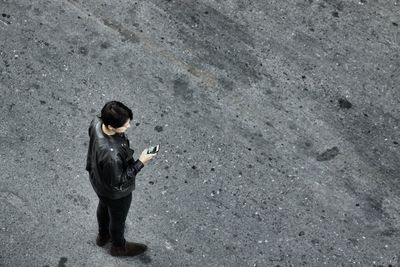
125	33
364	133
159	79
353	241
390	232
83	50
315	241
189	250
62	262
255	138
344	103
79	200
37	11
305	146
6	16
6	63
11	106
337	4
328	154
230	247
228	85
216	39
105	45
158	128
181	89
373	206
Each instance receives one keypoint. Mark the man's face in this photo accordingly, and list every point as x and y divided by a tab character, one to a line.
123	128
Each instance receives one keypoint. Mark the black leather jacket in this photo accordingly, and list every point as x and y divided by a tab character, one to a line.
112	169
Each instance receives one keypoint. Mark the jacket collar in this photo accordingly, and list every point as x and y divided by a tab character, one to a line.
99	131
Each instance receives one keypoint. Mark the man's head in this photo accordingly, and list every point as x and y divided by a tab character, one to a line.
116	116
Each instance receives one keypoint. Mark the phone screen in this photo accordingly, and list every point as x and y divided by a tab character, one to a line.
153	149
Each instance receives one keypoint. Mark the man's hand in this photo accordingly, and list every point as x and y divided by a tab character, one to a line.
144	157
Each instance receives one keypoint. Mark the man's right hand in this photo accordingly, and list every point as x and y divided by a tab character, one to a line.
144	157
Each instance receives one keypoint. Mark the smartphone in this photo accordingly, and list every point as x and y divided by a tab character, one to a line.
153	149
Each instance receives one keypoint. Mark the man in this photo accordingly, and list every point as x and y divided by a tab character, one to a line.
112	171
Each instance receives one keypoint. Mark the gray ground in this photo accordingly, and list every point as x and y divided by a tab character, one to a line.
278	123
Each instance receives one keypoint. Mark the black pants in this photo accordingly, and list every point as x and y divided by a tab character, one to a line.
111	216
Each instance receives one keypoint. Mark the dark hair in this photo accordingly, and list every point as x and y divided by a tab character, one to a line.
115	113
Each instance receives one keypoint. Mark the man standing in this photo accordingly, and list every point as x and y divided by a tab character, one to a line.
112	171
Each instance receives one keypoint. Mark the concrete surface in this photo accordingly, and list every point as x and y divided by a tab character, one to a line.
278	123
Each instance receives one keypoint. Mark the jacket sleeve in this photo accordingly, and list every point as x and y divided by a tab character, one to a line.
119	173
89	155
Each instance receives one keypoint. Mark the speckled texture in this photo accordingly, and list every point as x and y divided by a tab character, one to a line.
278	123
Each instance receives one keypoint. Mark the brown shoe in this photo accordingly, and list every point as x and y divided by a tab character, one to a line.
130	249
